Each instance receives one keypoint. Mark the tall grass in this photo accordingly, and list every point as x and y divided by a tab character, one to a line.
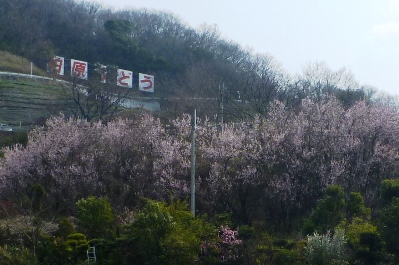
13	63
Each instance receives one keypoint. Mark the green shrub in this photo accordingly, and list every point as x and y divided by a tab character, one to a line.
12	138
259	249
364	240
286	257
36	194
95	217
16	256
224	219
357	227
280	242
246	232
370	248
389	190
329	211
169	234
107	252
355	206
76	246
388	225
65	228
8	139
308	227
50	251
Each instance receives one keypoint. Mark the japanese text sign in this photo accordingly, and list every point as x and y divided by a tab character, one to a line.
79	69
125	78
58	65
146	83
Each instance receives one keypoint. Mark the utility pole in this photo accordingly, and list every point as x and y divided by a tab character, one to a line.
221	92
194	125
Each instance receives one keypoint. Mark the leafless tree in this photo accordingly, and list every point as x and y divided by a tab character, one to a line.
93	100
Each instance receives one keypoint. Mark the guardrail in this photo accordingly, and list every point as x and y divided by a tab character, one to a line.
11	74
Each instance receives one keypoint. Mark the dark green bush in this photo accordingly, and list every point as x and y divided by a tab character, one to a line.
246	232
16	256
36	194
329	212
355	206
388	225
169	234
286	257
389	190
364	241
280	242
50	251
76	246
370	251
12	138
65	228
95	217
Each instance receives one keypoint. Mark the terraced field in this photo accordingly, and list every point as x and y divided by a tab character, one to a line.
24	103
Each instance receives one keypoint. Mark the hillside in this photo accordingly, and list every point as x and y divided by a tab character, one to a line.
27	102
29	96
187	63
277	158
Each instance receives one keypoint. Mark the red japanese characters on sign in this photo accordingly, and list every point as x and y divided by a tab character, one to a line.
125	78
146	83
58	65
79	69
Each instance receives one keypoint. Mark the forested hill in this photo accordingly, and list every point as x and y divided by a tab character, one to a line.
289	169
187	63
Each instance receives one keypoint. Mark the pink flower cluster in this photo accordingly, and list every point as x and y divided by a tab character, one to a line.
287	157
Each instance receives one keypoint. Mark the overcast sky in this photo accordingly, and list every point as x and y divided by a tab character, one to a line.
361	35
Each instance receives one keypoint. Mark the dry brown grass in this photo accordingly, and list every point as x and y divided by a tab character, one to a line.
17	64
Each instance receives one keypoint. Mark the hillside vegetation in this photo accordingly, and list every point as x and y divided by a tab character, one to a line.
17	64
25	102
289	170
187	63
